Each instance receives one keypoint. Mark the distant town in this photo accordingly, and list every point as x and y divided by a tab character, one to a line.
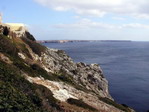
66	41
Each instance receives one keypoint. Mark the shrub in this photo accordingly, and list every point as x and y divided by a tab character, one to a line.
18	94
39	71
29	36
6	46
6	31
111	102
23	48
36	47
12	86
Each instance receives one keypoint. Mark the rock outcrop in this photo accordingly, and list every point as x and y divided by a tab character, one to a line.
43	79
88	76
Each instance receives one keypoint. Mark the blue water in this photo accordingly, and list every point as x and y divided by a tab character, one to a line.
125	65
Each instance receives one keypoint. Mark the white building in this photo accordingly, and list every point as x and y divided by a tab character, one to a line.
16	29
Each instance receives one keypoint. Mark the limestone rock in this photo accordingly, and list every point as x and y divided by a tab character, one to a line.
89	76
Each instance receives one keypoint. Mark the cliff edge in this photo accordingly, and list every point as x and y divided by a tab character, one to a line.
34	78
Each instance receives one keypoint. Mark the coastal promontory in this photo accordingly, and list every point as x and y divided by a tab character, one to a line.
34	78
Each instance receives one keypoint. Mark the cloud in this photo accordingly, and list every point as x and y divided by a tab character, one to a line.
118	18
141	16
135	25
88	24
99	8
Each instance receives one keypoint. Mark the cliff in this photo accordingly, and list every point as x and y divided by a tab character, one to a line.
34	78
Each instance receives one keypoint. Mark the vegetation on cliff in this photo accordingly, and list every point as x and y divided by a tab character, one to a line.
17	94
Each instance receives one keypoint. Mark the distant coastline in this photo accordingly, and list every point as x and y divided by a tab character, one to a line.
66	41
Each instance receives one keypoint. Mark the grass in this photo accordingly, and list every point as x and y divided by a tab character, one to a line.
80	103
22	48
33	70
36	47
13	86
7	46
111	102
12	100
13	46
17	94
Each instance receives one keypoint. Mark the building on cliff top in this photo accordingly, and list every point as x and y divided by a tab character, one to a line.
16	29
16	26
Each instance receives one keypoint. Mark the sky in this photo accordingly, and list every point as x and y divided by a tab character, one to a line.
80	19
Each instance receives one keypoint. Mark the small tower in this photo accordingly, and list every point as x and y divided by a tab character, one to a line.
0	18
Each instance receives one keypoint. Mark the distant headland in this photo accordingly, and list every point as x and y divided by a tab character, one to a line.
66	41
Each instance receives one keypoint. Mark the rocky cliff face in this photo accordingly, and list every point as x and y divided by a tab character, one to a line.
89	77
43	79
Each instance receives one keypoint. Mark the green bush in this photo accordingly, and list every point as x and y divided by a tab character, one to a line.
12	86
29	36
11	47
48	95
13	100
36	47
38	71
111	102
23	48
19	95
6	31
7	46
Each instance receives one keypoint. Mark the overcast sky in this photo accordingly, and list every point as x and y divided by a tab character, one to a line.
80	19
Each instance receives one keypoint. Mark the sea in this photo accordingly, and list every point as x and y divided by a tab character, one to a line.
125	66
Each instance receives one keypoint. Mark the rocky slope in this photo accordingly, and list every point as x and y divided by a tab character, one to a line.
34	78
